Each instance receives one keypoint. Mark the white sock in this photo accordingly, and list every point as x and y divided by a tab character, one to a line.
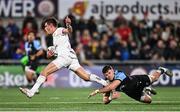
41	79
97	79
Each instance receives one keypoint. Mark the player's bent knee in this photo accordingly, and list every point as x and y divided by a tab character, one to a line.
44	73
115	95
86	79
146	99
152	78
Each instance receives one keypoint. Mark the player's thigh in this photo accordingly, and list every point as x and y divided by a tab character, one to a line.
78	69
115	95
142	81
56	64
133	89
135	95
62	61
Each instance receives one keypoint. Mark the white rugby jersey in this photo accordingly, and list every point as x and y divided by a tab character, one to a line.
62	43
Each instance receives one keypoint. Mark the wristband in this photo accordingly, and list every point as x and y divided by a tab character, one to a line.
97	91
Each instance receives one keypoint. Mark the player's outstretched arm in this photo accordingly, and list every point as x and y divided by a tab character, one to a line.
37	55
68	28
107	88
109	96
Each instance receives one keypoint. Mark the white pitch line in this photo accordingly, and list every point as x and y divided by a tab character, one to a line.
21	110
115	102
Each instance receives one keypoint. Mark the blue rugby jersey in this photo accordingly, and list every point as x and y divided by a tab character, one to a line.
119	75
33	47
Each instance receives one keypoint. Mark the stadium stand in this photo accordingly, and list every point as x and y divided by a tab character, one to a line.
120	39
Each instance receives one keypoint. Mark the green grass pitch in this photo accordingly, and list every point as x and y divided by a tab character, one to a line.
60	99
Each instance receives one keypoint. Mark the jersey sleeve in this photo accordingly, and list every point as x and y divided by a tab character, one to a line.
60	31
37	45
26	48
120	76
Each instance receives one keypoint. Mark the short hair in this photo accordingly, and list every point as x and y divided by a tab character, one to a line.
49	20
31	32
106	68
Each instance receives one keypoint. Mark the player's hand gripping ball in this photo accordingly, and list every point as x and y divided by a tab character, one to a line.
51	51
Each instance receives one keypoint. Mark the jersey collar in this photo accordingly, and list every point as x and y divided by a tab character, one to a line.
54	34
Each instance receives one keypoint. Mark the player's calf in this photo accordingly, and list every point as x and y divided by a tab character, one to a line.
89	77
161	70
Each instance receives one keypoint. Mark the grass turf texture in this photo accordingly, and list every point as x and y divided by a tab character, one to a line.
60	99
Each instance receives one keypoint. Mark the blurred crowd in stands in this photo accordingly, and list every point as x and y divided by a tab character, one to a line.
91	39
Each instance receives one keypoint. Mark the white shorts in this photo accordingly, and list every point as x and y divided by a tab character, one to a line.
67	61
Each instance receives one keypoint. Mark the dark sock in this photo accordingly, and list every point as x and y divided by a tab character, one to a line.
162	71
